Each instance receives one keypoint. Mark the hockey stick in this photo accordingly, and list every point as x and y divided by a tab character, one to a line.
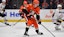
5	23
48	30
2	22
17	21
25	11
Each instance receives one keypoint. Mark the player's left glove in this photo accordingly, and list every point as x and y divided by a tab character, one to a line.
21	14
2	14
3	10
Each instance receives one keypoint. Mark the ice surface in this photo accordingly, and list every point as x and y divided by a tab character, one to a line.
19	29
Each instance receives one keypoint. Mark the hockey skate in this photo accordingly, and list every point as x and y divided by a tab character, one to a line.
40	33
26	34
56	28
7	24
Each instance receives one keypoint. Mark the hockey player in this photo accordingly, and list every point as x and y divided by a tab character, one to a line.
57	17
29	16
36	9
24	6
2	10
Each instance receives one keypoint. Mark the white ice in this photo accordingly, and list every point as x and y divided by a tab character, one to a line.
19	29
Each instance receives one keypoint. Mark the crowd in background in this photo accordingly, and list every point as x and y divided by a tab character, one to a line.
44	4
50	4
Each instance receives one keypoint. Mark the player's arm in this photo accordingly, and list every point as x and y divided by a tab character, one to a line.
28	14
38	13
21	12
3	8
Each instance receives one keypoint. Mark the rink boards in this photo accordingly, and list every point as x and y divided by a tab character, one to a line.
13	15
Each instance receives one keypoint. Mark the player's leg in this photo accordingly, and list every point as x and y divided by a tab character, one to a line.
38	18
4	16
36	27
29	23
37	30
58	23
26	30
5	21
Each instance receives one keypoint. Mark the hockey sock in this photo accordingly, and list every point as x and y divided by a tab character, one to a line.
26	30
37	31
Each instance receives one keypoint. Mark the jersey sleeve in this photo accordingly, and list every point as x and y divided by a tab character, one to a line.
20	10
37	11
2	6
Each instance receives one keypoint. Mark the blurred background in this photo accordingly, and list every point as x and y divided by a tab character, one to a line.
44	4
